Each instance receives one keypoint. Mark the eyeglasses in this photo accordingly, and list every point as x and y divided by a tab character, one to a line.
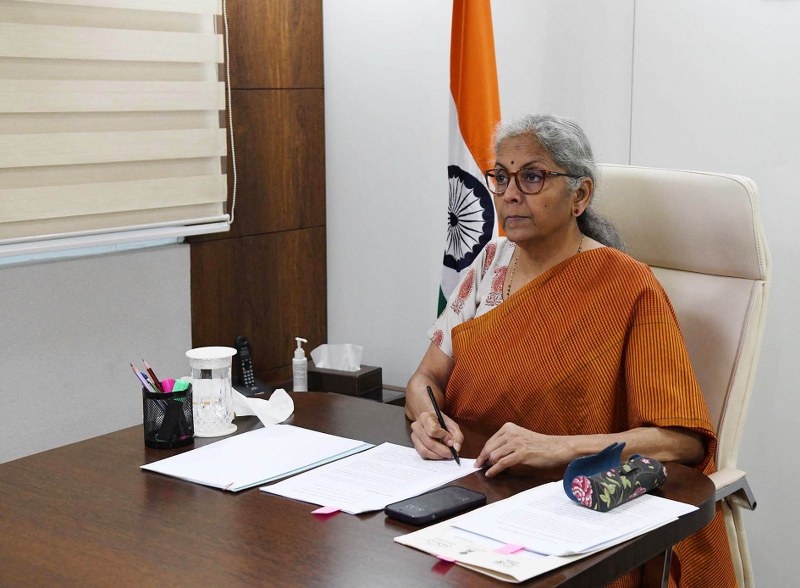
529	181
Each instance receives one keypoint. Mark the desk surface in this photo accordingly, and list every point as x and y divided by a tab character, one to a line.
85	514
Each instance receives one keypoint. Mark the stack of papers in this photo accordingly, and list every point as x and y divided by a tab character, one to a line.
371	480
256	457
545	528
482	554
544	520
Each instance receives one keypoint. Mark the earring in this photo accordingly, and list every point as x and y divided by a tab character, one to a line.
576	212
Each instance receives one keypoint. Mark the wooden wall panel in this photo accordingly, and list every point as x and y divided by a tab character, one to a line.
270	288
275	43
280	147
266	278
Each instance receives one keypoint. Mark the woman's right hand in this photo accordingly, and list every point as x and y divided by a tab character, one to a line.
432	441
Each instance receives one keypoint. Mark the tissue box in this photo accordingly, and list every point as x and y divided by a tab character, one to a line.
368	379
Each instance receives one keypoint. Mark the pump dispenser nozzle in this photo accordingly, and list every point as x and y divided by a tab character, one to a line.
300	353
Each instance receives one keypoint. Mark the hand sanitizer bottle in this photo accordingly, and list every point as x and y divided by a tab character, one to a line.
300	367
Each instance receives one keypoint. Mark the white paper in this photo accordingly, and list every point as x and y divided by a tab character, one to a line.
277	409
479	553
256	457
372	479
545	520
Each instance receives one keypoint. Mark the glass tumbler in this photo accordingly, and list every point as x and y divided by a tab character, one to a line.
212	402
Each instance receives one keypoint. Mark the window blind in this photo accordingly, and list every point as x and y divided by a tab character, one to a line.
110	121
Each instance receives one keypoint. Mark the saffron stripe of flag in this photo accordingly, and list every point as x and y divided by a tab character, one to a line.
474	113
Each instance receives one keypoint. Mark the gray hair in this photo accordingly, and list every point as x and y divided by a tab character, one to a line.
569	147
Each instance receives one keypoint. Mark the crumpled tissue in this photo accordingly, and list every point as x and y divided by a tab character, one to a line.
277	409
343	356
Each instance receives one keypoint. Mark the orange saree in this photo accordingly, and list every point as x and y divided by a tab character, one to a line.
590	346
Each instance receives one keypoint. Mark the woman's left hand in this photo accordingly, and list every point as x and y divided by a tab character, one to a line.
513	445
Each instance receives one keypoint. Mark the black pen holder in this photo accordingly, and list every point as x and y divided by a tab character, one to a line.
167	418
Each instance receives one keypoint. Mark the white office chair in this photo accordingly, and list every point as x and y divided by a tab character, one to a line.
701	234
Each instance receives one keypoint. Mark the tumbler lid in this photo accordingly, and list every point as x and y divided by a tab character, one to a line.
210	358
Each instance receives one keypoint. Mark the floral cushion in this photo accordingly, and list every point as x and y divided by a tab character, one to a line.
601	482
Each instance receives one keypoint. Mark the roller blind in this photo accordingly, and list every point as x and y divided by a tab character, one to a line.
110	120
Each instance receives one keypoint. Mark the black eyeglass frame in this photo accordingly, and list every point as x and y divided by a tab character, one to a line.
546	172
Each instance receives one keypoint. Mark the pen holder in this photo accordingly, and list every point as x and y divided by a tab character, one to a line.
167	418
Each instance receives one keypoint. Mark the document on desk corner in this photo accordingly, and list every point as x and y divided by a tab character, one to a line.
545	527
256	457
482	554
544	520
371	479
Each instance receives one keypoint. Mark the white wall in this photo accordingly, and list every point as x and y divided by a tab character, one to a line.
703	85
386	77
715	88
386	82
568	57
69	329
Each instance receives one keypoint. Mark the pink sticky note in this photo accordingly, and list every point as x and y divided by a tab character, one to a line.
445	558
509	548
441	567
168	384
326	510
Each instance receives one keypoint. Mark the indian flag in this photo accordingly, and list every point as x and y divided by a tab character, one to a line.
474	113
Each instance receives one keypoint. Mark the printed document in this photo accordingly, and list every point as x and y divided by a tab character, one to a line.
537	531
482	554
372	479
256	457
545	520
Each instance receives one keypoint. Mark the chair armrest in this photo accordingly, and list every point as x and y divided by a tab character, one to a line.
732	485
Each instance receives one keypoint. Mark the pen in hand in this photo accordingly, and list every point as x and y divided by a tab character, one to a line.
441	422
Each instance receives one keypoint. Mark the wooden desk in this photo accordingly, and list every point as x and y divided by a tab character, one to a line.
85	514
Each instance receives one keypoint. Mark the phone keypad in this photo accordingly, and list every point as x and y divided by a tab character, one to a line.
248	378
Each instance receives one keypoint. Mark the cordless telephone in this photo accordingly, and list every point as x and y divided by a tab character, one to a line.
246	382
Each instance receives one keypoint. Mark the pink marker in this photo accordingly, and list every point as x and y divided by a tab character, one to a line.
168	384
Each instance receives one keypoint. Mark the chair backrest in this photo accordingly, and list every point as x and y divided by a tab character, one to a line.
701	234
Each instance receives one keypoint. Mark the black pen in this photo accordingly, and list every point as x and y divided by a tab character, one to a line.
441	422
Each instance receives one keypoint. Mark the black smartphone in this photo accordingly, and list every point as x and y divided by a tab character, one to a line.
436	505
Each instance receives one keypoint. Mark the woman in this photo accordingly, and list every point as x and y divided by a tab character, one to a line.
563	343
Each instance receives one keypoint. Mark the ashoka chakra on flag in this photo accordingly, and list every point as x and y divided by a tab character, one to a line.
471	218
